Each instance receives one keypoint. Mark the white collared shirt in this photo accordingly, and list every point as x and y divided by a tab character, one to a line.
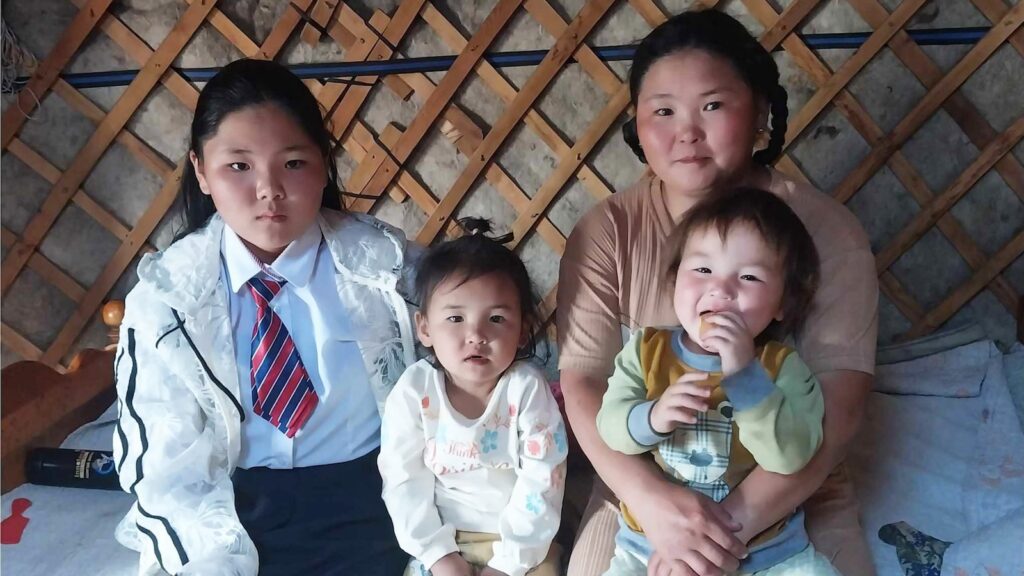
345	424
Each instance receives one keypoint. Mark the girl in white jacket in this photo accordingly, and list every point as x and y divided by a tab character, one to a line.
257	350
473	447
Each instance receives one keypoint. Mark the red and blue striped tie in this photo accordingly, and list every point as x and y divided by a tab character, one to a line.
282	392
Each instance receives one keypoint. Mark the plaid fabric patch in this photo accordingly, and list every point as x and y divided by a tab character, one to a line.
698	454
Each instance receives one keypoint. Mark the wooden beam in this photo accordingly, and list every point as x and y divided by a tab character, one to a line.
52	174
554	24
852	66
585	20
962	295
104	135
942	203
46	74
47	270
461	130
439	99
900	166
930	103
112	272
963	112
21	345
568	164
355	96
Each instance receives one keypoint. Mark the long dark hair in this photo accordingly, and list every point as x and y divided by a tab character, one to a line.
474	255
238	85
781	229
724	36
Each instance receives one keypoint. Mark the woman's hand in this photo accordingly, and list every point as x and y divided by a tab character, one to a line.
688	530
730	338
680	403
452	565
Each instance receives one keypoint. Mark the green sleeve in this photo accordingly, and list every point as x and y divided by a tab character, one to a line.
783	429
626	392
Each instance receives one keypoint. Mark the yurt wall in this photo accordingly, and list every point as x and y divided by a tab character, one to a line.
915	123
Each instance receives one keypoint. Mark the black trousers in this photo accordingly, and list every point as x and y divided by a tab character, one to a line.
323	520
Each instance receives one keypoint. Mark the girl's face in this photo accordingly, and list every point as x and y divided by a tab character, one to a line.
265	175
697	121
475	328
741	274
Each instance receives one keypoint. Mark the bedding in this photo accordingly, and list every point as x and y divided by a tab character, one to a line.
941	451
941	456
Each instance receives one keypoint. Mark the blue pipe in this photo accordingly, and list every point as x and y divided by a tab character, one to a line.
938	36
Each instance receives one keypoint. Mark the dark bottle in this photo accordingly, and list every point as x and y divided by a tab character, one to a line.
72	468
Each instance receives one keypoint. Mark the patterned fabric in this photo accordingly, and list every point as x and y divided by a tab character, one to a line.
919	554
282	392
698	454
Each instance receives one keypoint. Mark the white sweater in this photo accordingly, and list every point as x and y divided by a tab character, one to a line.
502	473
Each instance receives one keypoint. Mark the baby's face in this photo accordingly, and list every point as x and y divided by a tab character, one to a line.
741	274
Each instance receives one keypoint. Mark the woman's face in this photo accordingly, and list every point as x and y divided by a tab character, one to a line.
265	175
697	120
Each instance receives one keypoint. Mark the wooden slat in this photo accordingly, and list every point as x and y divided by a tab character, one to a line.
994	10
901	167
48	270
852	66
104	135
554	24
898	295
144	153
591	63
962	295
45	75
21	345
588	16
286	24
930	103
112	272
787	23
567	166
128	40
322	12
460	129
355	96
942	203
52	174
957	106
439	99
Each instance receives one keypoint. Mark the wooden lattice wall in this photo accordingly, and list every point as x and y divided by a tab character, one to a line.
384	163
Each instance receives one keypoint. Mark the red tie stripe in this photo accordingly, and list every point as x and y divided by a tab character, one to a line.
282	392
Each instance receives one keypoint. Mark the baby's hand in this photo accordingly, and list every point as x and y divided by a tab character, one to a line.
728	337
452	565
680	403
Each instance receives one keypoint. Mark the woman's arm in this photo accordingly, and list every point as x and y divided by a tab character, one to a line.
764	498
167	457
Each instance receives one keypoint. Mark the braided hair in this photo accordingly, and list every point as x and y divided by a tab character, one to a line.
724	36
471	256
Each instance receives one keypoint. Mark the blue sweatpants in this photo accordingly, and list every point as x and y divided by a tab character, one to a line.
324	520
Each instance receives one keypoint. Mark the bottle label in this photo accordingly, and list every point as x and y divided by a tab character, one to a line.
89	464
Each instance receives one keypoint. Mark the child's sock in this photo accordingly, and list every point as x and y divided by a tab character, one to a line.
919	553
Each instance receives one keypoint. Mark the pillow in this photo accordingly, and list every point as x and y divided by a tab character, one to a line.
955	373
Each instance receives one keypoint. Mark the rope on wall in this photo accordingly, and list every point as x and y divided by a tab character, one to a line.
18	65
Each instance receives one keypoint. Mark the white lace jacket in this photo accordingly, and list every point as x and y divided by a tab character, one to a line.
178	435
